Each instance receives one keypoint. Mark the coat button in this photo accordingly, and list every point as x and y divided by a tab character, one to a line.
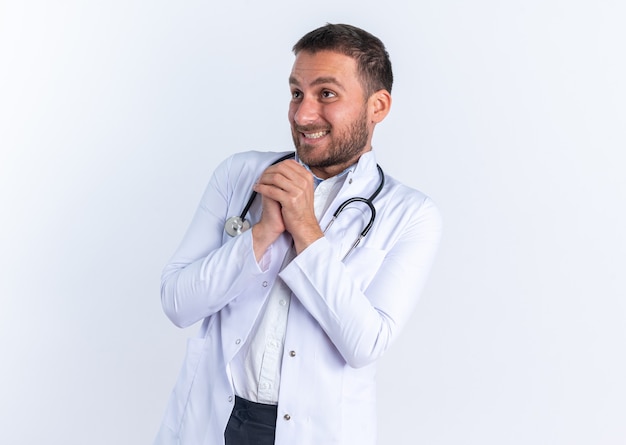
292	353
238	341
286	417
265	284
230	398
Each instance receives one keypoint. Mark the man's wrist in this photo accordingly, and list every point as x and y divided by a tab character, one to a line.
306	238
262	238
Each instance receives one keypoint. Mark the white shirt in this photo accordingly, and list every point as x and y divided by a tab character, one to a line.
256	368
342	317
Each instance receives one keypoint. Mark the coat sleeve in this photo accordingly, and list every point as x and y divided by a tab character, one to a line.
362	323
207	271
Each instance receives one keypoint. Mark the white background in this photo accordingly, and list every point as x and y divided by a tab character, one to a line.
510	114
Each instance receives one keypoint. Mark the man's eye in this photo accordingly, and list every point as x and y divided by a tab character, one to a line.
296	94
328	94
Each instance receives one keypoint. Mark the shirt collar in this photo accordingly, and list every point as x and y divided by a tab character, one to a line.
317	181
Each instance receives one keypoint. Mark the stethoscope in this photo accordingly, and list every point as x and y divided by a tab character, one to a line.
236	225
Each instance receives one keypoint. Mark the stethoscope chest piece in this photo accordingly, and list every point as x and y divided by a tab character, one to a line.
235	225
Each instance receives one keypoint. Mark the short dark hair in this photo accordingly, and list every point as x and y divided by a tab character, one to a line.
369	52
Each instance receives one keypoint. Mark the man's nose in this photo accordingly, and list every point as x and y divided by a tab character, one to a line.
307	111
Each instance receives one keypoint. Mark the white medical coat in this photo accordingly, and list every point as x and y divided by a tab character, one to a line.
343	315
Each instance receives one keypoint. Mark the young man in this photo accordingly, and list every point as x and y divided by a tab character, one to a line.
294	316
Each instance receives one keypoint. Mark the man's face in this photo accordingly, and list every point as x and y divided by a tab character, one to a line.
328	112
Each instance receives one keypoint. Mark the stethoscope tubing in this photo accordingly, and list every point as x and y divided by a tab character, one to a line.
367	201
236	224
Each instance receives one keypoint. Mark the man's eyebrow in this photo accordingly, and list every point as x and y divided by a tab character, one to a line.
318	81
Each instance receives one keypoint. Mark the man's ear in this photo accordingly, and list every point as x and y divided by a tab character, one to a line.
379	105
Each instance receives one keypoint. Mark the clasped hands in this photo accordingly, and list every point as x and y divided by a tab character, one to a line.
287	191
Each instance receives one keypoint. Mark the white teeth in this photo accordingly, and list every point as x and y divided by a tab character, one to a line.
317	135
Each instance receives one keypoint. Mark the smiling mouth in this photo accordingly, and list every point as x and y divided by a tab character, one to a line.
316	135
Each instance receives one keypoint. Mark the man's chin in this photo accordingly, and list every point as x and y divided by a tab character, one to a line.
306	154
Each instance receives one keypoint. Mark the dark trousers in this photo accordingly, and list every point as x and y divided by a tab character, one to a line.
251	423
